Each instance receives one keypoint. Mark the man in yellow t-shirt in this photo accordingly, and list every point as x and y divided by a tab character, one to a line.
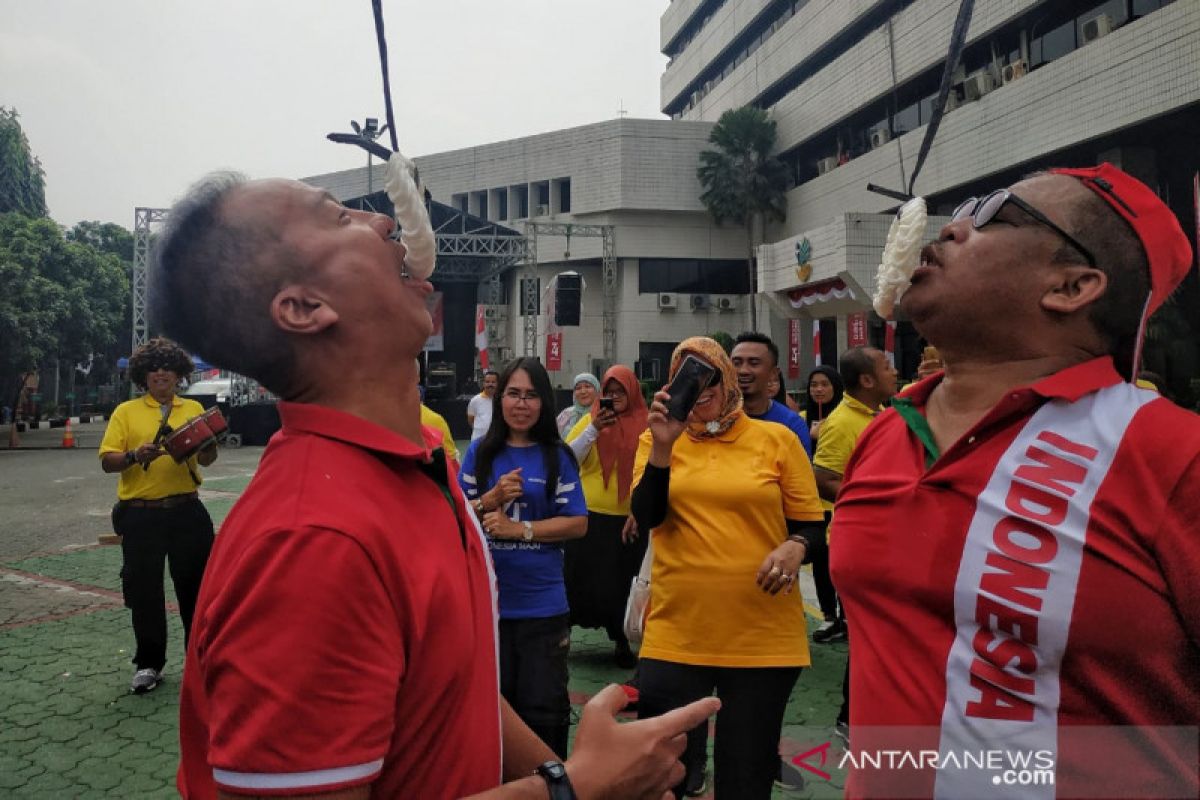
158	514
432	419
870	381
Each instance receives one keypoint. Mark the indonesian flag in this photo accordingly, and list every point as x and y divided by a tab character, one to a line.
817	342
889	342
481	342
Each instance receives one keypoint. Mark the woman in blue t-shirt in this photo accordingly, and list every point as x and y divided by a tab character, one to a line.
523	483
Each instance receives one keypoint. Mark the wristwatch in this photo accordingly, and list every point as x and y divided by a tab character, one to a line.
528	536
555	775
130	457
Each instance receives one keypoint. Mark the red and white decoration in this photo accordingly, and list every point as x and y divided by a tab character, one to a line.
817	342
889	341
793	370
821	292
481	337
856	329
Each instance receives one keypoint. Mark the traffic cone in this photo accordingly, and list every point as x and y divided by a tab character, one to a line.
68	436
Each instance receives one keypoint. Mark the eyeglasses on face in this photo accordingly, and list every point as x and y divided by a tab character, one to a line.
984	210
516	396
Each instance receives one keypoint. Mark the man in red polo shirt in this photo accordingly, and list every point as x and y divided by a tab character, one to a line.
1015	540
344	639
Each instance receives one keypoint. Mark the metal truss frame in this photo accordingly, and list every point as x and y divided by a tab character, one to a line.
143	218
608	269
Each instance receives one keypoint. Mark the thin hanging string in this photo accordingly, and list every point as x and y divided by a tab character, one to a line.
958	41
377	7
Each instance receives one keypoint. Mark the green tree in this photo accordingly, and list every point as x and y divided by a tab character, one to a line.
22	180
63	299
743	182
108	237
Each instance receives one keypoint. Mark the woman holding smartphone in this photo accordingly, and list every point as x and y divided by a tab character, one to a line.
733	505
523	484
601	565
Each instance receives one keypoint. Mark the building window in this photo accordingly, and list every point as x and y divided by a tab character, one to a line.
1053	44
563	187
459	201
690	275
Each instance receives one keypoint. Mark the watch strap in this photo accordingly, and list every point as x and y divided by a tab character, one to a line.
555	775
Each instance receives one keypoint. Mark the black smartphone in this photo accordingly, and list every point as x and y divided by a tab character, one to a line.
692	378
606	404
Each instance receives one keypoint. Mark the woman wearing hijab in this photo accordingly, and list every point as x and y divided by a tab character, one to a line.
586	387
733	504
825	391
601	565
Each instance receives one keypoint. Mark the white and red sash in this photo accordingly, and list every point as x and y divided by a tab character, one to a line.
1015	591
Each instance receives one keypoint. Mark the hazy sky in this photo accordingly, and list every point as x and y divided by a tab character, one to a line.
126	102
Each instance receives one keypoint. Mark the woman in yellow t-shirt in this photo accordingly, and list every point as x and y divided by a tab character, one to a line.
733	505
600	566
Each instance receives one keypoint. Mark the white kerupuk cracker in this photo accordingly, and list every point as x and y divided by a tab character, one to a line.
901	254
416	232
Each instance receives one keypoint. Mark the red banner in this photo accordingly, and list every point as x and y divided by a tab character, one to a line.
793	361
553	351
856	329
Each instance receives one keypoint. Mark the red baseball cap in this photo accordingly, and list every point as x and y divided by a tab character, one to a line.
1167	248
1168	251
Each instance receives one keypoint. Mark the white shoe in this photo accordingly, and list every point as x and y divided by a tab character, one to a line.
145	680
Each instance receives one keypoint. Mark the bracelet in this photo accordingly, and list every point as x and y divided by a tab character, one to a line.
479	507
798	539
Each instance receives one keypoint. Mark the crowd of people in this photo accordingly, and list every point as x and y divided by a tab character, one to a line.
383	616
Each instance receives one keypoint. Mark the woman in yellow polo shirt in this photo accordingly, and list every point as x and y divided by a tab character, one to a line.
733	505
600	566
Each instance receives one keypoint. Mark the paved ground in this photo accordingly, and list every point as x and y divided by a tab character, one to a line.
68	727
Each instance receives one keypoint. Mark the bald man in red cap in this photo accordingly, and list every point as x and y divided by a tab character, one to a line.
1033	622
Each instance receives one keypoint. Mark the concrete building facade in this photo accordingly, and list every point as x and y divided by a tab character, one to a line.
851	85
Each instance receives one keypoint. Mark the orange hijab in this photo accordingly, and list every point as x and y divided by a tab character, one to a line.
618	444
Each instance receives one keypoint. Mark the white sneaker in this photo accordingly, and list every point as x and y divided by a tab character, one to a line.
145	680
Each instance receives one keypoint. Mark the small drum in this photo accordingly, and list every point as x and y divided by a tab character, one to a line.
216	422
195	435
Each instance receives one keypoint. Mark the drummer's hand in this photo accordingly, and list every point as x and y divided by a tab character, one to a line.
207	455
147	452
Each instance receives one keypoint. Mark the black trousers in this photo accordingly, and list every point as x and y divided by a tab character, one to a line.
826	595
533	675
746	746
181	536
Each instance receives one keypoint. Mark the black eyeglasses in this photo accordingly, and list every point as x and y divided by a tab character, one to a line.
982	211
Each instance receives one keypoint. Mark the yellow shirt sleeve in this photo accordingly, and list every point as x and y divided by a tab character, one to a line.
835	444
433	419
582	424
115	434
797	484
642	457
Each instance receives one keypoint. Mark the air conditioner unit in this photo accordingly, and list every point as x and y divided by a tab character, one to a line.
879	137
952	101
1097	26
725	303
495	312
699	302
1015	70
827	165
541	210
977	85
666	300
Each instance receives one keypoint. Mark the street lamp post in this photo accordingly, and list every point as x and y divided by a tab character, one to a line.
369	130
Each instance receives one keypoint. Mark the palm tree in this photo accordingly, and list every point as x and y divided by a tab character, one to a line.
742	181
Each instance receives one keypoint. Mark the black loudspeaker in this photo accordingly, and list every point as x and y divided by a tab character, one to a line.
567	296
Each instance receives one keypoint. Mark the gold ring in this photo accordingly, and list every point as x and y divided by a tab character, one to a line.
786	577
